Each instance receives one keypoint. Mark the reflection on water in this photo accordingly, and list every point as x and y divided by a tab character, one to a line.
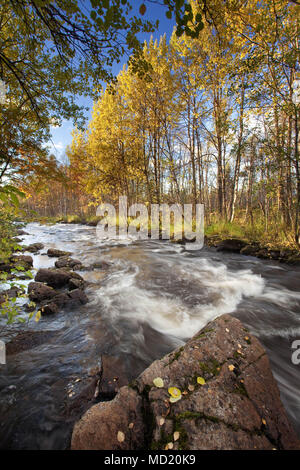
150	298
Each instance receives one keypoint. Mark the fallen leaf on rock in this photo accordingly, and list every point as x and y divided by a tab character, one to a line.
158	382
174	400
174	392
131	425
231	367
227	330
176	435
162	421
170	445
121	436
264	422
191	388
200	381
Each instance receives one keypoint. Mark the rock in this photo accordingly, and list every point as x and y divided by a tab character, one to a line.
67	262
237	407
249	250
113	377
100	265
75	284
77	297
10	293
34	247
232	245
65	299
49	309
28	340
100	426
61	299
30	307
38	291
56	277
25	262
54	253
22	232
263	253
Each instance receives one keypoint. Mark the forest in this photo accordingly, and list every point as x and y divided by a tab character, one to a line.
212	119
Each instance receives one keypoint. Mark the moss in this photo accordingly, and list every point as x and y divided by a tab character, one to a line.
183	436
205	332
163	441
241	389
176	355
211	367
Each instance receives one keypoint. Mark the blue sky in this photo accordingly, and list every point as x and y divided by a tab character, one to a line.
61	136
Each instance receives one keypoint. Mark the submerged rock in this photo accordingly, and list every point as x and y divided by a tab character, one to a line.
232	245
228	400
28	340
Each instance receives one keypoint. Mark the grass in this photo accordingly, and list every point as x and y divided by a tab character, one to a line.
274	236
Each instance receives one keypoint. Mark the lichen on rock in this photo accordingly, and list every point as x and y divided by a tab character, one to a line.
236	405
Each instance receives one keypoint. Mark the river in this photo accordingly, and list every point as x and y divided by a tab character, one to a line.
151	297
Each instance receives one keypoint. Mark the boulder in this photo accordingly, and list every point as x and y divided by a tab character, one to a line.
35	247
232	245
54	253
10	293
75	284
67	262
101	425
56	277
77	297
38	291
49	309
23	261
250	250
229	400
65	299
22	232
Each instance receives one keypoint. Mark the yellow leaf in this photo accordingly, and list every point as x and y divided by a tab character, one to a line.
174	392
231	367
38	316
158	382
174	400
200	380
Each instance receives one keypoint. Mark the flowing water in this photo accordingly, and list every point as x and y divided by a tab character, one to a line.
150	298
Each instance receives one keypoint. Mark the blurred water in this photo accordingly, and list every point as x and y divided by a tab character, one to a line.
151	297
